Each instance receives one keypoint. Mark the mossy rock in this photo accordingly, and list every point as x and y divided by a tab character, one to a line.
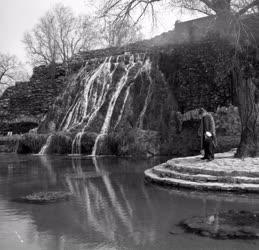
224	225
107	145
60	143
30	143
44	197
87	142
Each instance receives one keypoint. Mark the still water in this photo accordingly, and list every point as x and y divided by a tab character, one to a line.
112	209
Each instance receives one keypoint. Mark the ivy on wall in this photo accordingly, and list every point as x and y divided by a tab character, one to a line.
199	74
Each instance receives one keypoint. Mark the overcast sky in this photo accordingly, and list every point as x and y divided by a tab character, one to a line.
18	16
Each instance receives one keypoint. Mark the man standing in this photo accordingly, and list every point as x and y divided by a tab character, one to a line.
207	132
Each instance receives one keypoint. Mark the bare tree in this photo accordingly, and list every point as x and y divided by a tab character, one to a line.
40	43
229	22
58	36
120	33
226	12
73	34
123	8
11	70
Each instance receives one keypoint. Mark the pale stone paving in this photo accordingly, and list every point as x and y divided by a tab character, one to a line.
223	162
225	173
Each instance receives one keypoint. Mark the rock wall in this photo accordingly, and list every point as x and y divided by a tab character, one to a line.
163	84
128	103
199	74
23	106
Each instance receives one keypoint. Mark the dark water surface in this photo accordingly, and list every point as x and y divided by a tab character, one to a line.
112	209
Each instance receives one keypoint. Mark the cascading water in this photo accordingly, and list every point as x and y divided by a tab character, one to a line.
90	111
104	88
123	106
147	68
72	115
123	81
76	144
45	147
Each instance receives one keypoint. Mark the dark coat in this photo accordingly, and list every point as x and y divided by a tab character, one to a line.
207	124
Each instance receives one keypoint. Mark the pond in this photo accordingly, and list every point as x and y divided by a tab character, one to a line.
111	206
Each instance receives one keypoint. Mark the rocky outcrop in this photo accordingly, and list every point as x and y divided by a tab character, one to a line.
137	99
23	106
143	102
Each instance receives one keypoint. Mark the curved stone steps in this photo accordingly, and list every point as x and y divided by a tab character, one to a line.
206	186
163	172
178	167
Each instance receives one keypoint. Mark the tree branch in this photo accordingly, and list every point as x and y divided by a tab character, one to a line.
247	7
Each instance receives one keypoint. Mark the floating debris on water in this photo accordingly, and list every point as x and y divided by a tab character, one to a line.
44	197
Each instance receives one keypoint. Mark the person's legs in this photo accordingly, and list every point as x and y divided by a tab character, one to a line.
210	149
206	149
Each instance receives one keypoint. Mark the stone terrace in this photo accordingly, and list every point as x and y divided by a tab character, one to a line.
225	173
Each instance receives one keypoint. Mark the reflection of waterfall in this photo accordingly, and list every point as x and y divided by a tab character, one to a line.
109	205
48	165
45	147
77	166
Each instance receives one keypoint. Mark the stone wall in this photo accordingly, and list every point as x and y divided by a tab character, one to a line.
198	29
199	74
23	106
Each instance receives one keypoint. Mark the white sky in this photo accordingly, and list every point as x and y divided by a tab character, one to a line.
18	16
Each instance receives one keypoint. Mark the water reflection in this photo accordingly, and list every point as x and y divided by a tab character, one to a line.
112	207
45	162
109	206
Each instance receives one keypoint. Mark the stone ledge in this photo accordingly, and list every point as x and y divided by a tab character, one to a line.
224	164
162	172
210	186
225	173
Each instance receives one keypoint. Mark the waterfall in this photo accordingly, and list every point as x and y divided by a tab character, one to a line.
97	102
68	117
45	147
76	144
101	86
94	150
147	67
123	106
106	124
73	115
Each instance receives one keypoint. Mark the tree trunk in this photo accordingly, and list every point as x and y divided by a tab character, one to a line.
248	111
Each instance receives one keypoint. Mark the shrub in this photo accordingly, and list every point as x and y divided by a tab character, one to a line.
59	143
30	143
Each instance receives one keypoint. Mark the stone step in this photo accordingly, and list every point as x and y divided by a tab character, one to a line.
206	186
163	172
194	170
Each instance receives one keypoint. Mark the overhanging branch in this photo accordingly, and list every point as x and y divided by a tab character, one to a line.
248	7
